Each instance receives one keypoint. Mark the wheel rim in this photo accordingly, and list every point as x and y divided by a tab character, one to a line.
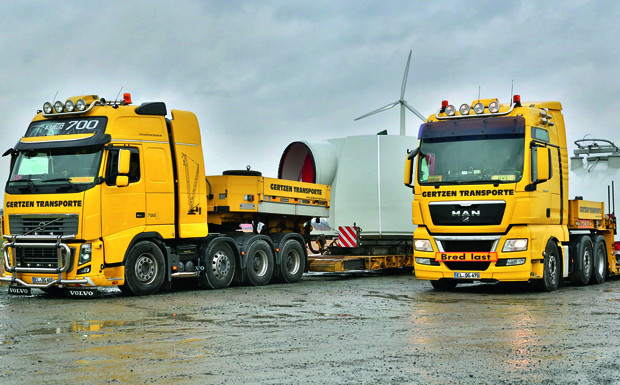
220	265
600	261
259	263
587	266
553	268
292	262
146	268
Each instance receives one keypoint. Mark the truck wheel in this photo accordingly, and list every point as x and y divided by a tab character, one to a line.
144	269
584	254
444	284
259	263
219	266
599	260
293	262
552	269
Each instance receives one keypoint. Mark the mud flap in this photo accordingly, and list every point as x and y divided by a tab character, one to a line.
19	290
81	293
565	261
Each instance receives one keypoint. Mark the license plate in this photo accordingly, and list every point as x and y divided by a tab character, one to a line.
18	290
467	275
42	279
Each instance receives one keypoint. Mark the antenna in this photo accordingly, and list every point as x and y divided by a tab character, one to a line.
512	88
478	93
401	101
117	95
54	100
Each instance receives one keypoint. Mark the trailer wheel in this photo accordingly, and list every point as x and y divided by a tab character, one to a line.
219	266
444	284
599	260
144	269
259	263
293	262
552	269
581	276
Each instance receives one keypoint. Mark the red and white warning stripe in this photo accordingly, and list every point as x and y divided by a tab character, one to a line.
347	236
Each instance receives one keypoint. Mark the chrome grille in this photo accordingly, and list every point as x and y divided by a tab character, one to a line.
39	257
52	224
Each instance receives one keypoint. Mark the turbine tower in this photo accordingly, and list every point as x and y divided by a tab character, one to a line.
401	101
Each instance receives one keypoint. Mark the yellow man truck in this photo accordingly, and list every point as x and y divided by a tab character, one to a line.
491	200
106	193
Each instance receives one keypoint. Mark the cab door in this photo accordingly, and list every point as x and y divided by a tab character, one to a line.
122	207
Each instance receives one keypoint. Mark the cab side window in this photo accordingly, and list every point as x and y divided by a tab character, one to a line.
111	169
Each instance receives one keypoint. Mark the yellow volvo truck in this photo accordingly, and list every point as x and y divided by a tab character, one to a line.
491	200
106	193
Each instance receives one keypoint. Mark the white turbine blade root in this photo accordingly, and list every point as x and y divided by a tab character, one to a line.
387	107
416	113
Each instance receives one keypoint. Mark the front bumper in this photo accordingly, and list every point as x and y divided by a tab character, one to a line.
498	270
42	277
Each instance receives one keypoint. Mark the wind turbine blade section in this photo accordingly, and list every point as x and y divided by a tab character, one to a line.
415	112
402	88
379	110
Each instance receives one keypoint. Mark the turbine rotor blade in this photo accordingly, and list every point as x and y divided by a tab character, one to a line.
415	112
402	88
387	107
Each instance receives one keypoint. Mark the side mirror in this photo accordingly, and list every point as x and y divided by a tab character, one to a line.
122	181
409	167
124	158
543	171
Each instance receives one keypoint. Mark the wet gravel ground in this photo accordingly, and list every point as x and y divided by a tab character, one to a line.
365	328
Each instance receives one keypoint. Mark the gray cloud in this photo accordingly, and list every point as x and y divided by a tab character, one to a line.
260	75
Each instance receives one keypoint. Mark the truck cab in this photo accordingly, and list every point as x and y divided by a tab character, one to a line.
491	198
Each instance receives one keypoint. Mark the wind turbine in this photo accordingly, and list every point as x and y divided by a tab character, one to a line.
401	101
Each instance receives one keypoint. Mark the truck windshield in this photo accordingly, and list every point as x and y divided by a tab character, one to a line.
52	171
472	151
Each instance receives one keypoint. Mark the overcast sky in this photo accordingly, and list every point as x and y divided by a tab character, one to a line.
262	74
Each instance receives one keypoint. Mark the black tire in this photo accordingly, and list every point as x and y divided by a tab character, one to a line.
444	284
242	172
144	269
219	266
259	263
552	269
599	260
581	276
293	262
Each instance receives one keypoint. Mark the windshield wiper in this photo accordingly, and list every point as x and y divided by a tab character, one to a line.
57	180
30	184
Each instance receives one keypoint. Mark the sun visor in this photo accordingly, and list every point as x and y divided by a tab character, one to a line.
309	162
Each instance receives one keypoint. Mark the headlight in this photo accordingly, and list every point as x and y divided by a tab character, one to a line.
519	244
494	107
70	106
422	245
47	107
450	110
464	110
58	106
85	253
479	108
423	261
80	104
515	261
